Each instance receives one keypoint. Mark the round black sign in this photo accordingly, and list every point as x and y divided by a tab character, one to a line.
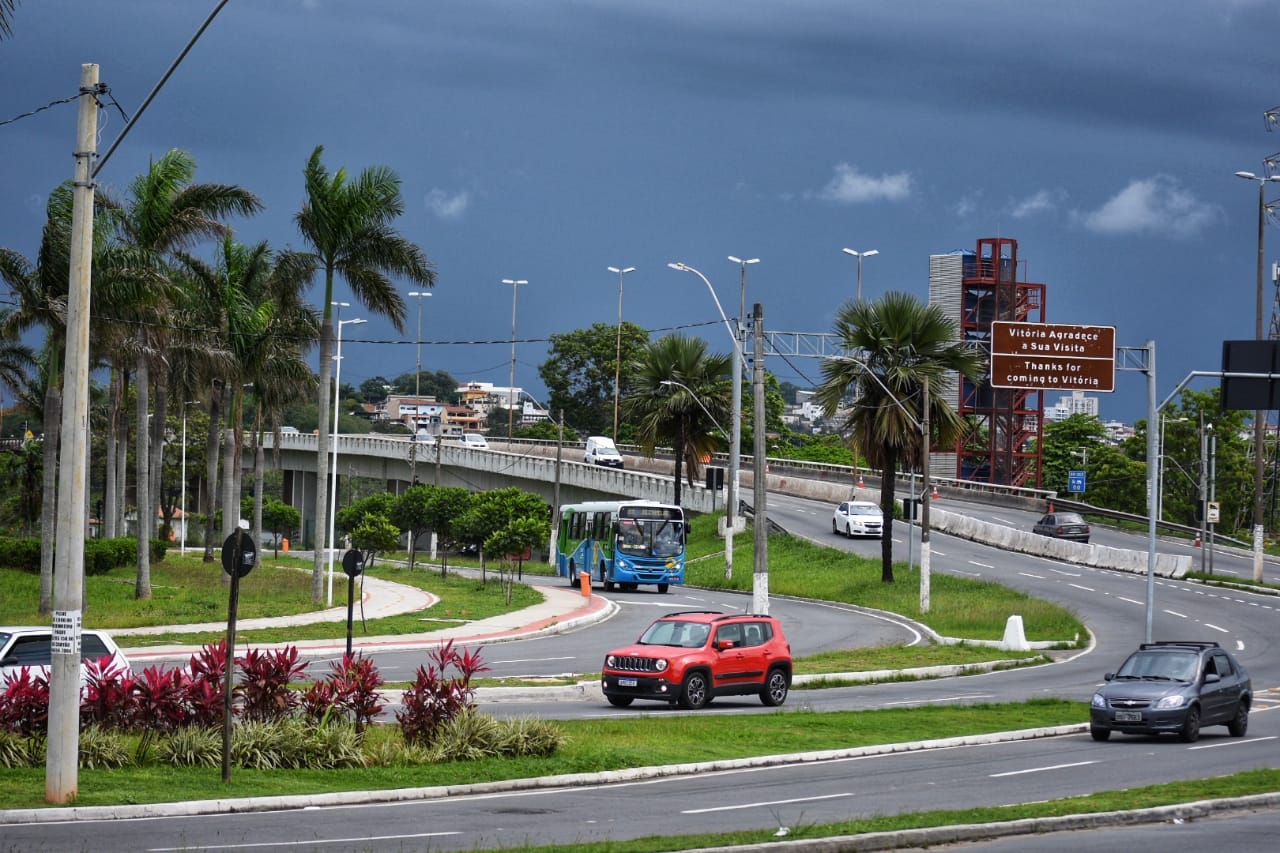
239	554
353	563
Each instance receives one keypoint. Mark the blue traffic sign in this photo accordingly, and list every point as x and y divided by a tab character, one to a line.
1075	481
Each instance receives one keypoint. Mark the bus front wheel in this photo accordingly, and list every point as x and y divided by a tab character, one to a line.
662	588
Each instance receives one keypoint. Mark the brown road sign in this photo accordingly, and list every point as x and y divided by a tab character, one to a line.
1038	356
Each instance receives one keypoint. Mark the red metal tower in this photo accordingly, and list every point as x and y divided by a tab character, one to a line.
1002	443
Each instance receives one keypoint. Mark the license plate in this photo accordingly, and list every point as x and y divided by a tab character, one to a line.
626	682
1128	716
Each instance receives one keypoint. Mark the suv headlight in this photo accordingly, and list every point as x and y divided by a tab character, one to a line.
1168	703
1098	701
661	664
610	661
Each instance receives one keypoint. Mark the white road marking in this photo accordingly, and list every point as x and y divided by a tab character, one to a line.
533	660
1216	628
312	842
1030	575
1068	574
1041	769
1232	743
1085	588
1132	601
766	803
1176	613
981	565
1239	645
944	699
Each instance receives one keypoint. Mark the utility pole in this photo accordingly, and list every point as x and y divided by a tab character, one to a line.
925	499
63	749
760	577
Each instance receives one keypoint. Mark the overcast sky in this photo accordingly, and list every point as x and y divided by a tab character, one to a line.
550	140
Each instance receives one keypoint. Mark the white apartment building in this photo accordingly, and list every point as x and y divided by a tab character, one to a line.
1075	403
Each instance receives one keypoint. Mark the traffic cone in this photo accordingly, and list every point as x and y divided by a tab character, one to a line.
935	495
1197	543
862	484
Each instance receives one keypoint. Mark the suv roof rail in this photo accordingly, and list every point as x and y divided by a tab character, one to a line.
692	613
1194	644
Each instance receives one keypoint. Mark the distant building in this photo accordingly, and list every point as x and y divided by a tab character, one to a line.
1075	403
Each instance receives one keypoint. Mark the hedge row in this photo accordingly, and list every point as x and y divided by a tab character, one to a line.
100	555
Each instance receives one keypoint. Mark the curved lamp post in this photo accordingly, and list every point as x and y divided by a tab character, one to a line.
511	390
617	371
333	473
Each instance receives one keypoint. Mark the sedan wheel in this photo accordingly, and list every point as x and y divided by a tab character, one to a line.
1191	726
775	689
1100	734
1240	722
693	694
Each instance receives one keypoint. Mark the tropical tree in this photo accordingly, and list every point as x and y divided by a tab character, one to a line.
411	514
163	214
6	11
896	345
580	370
348	225
680	396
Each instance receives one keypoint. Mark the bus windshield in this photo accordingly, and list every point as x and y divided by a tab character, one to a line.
650	537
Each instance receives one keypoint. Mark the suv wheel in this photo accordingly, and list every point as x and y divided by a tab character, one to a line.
1099	734
619	701
1240	722
775	689
1191	726
694	691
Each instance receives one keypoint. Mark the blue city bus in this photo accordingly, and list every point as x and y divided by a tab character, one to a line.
622	544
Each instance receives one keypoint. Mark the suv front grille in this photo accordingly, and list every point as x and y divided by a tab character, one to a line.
636	664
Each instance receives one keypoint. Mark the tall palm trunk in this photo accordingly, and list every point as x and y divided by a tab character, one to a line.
113	435
211	466
159	426
679	454
322	457
49	501
146	508
122	455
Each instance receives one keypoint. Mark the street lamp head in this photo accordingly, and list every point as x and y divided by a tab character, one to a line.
514	281
419	293
622	271
353	322
868	253
341	304
741	261
678	266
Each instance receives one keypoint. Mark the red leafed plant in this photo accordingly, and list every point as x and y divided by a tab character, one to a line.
162	699
435	699
107	697
266	678
355	683
24	703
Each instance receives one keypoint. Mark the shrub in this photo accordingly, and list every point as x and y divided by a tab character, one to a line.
265	691
191	747
433	699
529	736
21	554
24	704
205	697
100	749
107	699
18	751
161	699
351	689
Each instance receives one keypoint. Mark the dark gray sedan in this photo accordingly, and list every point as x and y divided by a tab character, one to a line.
1176	687
1063	525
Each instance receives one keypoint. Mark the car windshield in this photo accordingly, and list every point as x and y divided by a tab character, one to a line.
672	632
1070	518
650	537
863	509
1160	666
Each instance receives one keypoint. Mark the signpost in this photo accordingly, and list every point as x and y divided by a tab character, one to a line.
1044	356
352	567
239	556
1076	482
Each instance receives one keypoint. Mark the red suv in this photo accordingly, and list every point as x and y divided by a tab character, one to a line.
693	656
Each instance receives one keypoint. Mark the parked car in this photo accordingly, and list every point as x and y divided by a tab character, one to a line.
602	451
857	518
689	658
1173	686
424	437
288	430
474	440
29	646
1063	525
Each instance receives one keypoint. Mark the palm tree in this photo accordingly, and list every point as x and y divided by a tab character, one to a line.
6	9
679	394
348	225
897	344
165	213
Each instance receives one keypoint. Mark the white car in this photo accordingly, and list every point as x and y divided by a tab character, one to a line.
858	518
474	440
29	646
424	437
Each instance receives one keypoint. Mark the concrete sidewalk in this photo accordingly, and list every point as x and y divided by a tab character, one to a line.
562	609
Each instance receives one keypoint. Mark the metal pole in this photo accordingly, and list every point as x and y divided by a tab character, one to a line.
62	751
617	370
1213	490
333	485
760	577
1204	487
733	493
511	406
1259	417
924	500
1152	411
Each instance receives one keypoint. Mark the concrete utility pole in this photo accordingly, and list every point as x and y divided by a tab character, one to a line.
63	751
760	578
925	499
733	491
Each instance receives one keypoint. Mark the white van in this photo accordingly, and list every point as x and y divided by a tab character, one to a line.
602	451
474	440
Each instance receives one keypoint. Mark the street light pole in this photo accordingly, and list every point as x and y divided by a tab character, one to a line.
511	406
738	361
417	375
1259	424
860	256
333	474
735	443
617	370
